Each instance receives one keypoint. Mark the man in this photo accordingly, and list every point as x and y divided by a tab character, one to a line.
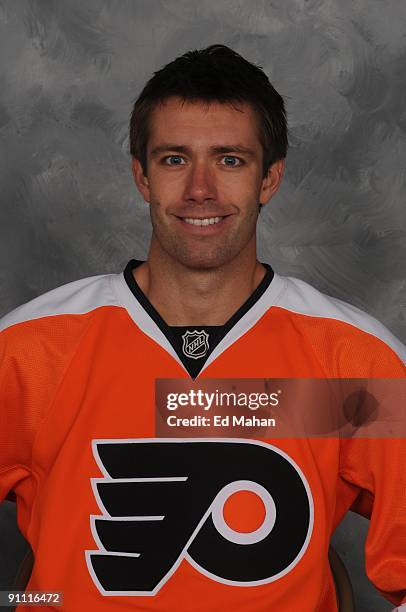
121	517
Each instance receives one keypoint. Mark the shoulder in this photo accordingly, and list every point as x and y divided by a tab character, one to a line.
78	297
335	317
39	339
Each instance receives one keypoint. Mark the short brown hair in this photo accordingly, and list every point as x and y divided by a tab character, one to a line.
214	74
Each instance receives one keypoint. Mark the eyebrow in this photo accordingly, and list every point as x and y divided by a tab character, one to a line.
217	149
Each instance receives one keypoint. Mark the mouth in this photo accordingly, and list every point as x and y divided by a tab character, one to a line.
209	225
202	221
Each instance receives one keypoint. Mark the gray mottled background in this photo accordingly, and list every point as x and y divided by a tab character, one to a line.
69	71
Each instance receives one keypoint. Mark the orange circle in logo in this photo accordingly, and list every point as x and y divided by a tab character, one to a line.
244	511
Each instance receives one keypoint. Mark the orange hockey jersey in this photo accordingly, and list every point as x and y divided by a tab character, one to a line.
120	519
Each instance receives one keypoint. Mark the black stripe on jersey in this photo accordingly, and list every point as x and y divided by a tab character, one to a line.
175	333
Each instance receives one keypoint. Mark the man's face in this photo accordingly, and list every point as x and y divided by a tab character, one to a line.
204	181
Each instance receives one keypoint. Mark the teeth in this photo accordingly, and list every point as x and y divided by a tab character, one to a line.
208	221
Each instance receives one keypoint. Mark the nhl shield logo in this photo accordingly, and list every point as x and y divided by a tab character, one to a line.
195	344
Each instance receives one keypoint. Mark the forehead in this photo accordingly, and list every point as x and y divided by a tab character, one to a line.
201	123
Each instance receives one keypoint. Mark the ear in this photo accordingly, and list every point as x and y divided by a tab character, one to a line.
140	179
271	182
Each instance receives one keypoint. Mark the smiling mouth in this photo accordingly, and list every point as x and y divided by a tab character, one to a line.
204	221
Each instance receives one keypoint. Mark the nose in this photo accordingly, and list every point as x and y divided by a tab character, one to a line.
200	184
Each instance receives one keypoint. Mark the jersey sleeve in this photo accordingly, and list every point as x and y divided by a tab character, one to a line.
22	404
377	468
34	355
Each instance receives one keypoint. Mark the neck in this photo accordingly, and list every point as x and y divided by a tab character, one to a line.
202	297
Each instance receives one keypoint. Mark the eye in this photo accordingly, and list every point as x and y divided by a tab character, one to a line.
232	161
173	160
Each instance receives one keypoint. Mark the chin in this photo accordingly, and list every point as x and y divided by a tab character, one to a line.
202	261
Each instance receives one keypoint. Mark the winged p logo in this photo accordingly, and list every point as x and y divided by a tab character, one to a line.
162	501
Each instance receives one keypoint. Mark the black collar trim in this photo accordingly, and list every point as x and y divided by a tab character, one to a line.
217	331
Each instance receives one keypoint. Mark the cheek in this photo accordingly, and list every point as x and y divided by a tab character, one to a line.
244	186
246	197
165	188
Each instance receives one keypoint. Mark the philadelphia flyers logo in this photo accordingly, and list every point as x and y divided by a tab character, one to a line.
162	501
